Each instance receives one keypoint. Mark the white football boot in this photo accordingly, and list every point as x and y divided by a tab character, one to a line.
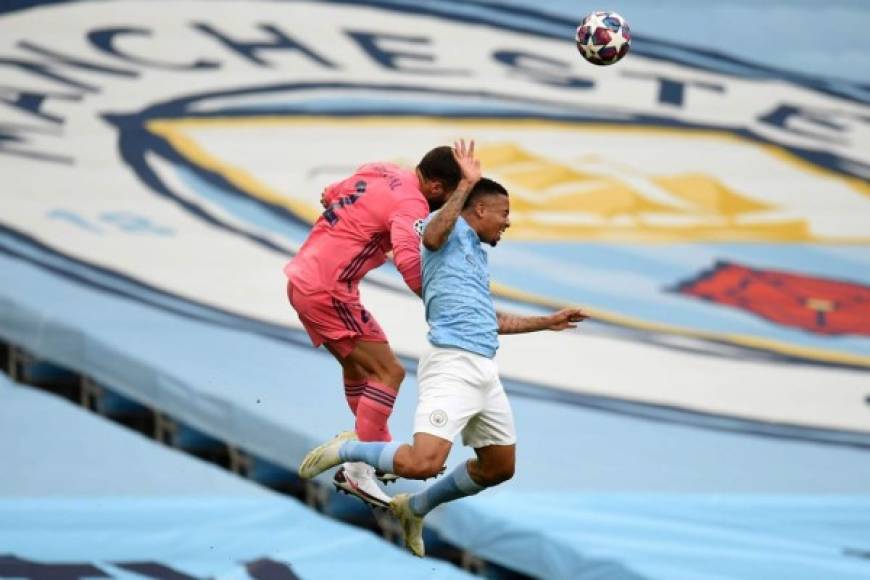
359	479
387	478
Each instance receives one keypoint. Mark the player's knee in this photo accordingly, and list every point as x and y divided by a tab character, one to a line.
393	373
496	474
505	473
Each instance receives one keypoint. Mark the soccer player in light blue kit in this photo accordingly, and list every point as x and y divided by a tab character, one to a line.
459	388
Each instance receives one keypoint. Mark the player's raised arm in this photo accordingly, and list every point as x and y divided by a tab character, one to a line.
439	228
561	320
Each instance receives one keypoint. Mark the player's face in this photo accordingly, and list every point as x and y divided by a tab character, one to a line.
435	194
495	219
436	203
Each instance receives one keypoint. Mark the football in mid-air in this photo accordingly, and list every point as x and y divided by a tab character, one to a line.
603	38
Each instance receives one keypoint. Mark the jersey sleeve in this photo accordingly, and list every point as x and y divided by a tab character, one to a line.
330	192
406	231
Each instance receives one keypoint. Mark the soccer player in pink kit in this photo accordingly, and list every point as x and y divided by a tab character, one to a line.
376	210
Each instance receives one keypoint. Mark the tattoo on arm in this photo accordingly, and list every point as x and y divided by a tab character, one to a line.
513	324
439	228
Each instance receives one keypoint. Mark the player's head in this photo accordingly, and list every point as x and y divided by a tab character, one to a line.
439	175
487	210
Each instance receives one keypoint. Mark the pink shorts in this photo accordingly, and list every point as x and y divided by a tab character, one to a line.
337	323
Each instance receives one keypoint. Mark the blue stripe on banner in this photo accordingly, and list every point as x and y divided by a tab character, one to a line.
17	249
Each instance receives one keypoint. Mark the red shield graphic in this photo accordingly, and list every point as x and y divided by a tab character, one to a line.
819	305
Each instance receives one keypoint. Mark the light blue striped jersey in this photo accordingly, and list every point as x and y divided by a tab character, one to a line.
459	306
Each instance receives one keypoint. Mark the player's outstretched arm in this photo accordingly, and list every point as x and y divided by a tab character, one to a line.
561	320
439	227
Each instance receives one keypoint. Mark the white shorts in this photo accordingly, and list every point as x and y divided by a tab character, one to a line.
460	392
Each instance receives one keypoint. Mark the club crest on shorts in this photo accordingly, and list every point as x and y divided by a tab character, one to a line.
418	227
438	418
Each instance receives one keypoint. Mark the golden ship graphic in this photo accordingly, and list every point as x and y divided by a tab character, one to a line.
683	187
552	200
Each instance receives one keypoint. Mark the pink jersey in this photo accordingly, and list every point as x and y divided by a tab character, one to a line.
368	214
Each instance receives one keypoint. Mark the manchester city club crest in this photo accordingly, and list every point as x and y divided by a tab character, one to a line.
438	418
631	188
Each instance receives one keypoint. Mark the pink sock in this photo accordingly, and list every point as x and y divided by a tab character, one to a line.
373	410
353	390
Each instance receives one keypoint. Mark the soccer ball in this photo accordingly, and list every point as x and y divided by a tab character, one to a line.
603	38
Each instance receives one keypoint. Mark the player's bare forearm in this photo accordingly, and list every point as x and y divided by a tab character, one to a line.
513	324
439	227
561	320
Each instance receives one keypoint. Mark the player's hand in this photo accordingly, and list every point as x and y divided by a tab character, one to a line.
469	165
566	318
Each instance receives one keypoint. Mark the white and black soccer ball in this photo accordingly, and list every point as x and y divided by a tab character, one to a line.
603	38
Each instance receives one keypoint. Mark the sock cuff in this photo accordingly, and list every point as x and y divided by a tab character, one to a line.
379	394
346	450
354	388
464	482
385	459
378	454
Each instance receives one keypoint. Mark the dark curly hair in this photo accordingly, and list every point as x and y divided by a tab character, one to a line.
440	165
483	188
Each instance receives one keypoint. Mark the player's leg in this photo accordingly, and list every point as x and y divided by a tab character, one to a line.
372	407
371	370
420	460
360	345
491	433
354	377
377	369
448	398
372	374
376	402
451	394
352	336
494	444
495	464
339	327
331	328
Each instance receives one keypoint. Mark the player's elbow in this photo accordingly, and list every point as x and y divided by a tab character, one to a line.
411	273
415	285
